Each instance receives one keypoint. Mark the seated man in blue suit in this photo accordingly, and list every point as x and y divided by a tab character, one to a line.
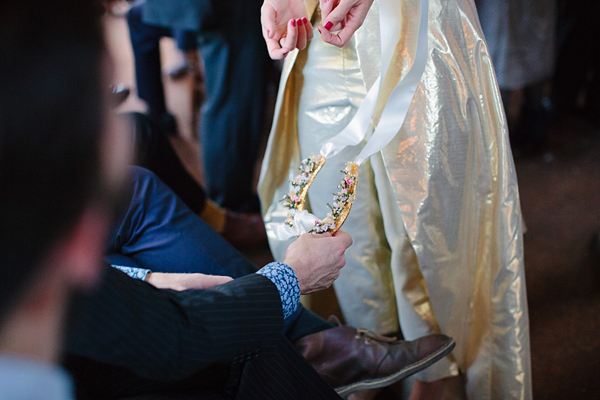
179	251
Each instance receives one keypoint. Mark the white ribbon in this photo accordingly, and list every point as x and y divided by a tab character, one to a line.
394	112
303	222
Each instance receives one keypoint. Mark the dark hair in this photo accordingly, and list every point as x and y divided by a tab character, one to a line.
51	112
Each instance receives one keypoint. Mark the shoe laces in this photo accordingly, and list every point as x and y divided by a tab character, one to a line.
369	335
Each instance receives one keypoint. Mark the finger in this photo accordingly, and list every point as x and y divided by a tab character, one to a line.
275	50
301	43
268	17
289	42
338	14
326	6
309	28
348	17
338	39
344	238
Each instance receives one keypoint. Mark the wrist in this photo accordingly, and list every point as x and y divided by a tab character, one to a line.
286	281
295	266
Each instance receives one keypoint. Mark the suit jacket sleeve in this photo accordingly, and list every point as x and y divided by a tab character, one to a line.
167	335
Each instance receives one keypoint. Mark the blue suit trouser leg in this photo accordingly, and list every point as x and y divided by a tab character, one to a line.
160	233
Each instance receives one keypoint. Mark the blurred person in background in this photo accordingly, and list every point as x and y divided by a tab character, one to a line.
145	40
236	71
521	37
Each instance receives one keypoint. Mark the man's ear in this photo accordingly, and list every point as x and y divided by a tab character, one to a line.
81	251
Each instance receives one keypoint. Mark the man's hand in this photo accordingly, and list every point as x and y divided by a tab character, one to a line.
285	26
345	16
185	281
317	259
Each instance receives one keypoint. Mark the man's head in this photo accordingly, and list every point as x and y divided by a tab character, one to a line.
52	146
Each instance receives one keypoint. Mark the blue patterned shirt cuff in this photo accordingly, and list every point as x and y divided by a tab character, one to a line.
284	277
135	273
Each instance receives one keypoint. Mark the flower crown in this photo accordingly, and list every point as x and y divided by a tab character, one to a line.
342	200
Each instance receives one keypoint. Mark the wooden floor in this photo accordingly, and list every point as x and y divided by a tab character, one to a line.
560	193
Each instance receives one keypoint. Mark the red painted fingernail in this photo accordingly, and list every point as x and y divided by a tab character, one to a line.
319	29
293	22
328	25
299	21
305	20
286	53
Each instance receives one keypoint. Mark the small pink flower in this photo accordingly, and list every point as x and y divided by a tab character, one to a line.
345	191
295	198
350	182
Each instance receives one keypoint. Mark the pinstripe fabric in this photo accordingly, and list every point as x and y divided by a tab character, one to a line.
193	339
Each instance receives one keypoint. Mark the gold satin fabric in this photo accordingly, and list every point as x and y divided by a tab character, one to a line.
437	223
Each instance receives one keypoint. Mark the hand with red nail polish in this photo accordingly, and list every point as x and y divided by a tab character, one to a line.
343	17
285	26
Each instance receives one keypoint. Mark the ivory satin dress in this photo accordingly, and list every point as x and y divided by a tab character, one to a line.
436	223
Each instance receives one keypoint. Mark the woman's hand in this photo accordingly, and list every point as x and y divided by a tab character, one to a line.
285	26
345	16
185	281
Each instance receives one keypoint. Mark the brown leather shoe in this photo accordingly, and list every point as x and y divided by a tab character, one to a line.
352	360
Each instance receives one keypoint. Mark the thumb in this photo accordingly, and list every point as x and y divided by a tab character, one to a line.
267	19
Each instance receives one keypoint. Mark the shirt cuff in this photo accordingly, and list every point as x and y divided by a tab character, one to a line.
284	277
135	273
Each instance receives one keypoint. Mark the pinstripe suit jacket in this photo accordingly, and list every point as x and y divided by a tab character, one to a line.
130	340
